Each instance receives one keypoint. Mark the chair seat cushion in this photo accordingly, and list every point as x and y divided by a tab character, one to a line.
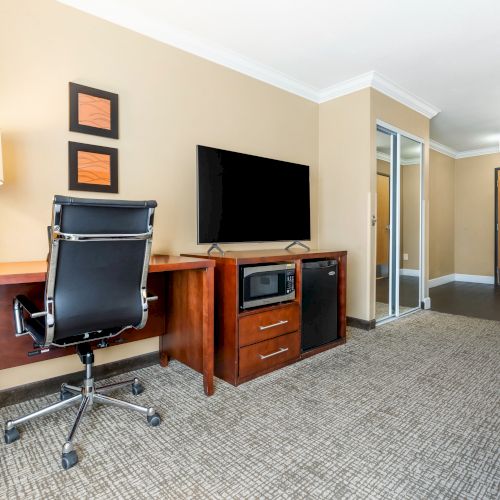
36	329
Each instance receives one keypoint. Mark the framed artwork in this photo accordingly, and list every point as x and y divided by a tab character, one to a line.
93	168
93	111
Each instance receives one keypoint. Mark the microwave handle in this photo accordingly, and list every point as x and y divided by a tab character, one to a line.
247	271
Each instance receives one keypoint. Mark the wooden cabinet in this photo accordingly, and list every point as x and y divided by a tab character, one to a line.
266	325
253	342
265	356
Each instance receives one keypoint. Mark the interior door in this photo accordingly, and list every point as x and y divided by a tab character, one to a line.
398	284
383	223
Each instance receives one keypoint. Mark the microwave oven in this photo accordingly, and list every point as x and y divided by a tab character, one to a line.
266	284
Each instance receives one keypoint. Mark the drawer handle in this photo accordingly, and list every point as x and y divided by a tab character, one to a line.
279	323
282	349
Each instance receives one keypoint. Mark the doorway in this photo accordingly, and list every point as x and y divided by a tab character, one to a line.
399	224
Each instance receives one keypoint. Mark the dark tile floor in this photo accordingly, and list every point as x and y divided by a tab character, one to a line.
467	299
408	291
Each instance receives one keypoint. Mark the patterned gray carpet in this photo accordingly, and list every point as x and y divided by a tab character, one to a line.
410	410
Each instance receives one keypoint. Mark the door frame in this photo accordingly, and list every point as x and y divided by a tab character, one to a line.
496	273
396	134
393	306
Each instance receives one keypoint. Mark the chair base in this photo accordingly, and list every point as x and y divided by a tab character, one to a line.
84	396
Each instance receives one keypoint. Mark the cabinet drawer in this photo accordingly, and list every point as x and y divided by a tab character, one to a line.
267	325
259	357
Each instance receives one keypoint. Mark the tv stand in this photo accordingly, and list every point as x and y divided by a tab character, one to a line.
299	243
215	246
252	342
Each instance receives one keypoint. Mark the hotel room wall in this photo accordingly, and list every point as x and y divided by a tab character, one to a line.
410	212
347	196
170	101
344	190
442	215
475	214
410	217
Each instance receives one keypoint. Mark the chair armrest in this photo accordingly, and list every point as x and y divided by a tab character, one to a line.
21	305
22	302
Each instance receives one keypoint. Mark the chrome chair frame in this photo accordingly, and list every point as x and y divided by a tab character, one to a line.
87	394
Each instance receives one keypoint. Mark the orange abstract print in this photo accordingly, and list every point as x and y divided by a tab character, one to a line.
94	111
94	168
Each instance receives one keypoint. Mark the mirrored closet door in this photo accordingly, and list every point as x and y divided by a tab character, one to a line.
398	224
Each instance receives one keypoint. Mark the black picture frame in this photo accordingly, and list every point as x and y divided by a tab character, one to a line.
74	120
75	184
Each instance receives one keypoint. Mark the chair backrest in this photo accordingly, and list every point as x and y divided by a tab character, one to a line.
98	267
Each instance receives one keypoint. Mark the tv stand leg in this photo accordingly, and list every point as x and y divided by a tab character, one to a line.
300	244
215	246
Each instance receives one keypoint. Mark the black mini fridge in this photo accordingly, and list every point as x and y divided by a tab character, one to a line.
319	303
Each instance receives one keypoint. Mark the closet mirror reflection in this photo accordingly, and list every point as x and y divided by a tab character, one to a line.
409	234
384	162
398	224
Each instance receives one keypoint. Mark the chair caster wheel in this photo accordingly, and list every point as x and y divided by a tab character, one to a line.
154	420
69	459
63	395
137	388
11	435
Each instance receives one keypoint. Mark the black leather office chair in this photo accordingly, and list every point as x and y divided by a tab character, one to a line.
95	289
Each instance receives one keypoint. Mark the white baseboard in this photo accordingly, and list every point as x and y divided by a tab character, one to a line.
468	278
409	272
475	278
427	302
442	280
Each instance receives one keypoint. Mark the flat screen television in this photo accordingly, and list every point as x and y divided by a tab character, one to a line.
245	198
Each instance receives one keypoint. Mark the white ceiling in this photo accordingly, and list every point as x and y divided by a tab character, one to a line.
430	54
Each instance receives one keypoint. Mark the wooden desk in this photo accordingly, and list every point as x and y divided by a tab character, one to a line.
183	316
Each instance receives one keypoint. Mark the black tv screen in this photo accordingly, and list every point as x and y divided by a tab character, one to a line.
243	198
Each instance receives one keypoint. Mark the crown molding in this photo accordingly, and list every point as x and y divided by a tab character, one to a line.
383	156
382	84
345	87
393	90
136	20
457	155
387	158
477	152
441	148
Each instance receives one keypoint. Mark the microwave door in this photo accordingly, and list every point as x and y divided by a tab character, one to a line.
264	285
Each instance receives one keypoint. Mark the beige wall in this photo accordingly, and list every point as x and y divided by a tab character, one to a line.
410	212
170	101
383	167
348	188
442	215
462	215
344	190
410	217
475	214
